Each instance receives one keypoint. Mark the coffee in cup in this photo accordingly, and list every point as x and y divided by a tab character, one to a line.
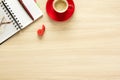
60	6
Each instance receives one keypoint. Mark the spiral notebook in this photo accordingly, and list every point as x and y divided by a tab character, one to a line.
13	17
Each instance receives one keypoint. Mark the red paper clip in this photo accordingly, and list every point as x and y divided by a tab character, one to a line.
40	32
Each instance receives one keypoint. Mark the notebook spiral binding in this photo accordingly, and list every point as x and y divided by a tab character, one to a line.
11	15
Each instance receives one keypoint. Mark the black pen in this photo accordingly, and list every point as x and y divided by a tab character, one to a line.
25	8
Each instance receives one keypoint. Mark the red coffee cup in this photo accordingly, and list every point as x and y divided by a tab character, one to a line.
60	10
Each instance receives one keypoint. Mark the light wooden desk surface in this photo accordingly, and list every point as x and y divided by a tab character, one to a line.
86	47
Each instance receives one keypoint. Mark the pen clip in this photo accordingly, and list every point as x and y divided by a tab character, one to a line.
2	23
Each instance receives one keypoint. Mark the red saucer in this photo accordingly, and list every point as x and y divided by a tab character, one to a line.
56	16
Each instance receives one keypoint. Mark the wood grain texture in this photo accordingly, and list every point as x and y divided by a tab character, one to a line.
86	47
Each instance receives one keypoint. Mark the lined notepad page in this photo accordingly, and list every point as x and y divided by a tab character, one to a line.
6	30
21	14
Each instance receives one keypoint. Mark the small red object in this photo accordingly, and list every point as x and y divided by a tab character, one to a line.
40	32
35	0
